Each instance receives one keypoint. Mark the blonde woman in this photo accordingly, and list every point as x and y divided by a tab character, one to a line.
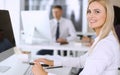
104	56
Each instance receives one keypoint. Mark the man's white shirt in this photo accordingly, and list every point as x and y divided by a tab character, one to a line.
66	27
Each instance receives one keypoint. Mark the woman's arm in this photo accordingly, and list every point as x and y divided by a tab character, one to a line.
71	62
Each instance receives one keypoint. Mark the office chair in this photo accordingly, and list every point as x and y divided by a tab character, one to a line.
117	21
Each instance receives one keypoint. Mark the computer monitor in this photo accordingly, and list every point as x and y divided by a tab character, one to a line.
36	27
7	39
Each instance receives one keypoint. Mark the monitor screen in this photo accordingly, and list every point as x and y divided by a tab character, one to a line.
7	40
39	27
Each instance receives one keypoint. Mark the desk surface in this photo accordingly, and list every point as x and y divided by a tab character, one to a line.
19	68
55	47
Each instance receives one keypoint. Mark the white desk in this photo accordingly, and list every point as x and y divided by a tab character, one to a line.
19	68
55	47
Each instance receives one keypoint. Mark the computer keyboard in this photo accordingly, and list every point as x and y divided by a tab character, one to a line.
29	71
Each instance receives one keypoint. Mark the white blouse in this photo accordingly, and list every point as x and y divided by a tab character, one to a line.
104	60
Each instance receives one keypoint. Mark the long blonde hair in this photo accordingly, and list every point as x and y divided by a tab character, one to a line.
108	25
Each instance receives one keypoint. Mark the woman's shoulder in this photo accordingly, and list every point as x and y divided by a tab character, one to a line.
108	45
110	40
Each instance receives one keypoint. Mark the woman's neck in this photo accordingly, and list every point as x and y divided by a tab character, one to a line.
97	31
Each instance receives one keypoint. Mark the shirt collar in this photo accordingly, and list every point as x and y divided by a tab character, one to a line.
97	38
59	20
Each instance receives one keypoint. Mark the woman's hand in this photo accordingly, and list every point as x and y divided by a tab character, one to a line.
38	70
45	61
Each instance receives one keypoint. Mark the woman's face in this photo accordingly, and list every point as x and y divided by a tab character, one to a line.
96	15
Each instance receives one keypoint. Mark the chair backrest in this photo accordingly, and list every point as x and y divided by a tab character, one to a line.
117	30
117	21
117	15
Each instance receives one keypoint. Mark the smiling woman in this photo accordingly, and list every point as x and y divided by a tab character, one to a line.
104	55
96	15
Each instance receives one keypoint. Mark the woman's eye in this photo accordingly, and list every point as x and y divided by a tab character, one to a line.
97	11
88	11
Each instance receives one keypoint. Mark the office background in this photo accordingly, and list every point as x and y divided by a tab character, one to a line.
71	9
15	10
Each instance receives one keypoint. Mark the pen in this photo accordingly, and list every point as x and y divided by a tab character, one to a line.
43	65
31	63
53	67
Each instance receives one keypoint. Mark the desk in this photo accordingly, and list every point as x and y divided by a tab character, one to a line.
55	47
19	68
